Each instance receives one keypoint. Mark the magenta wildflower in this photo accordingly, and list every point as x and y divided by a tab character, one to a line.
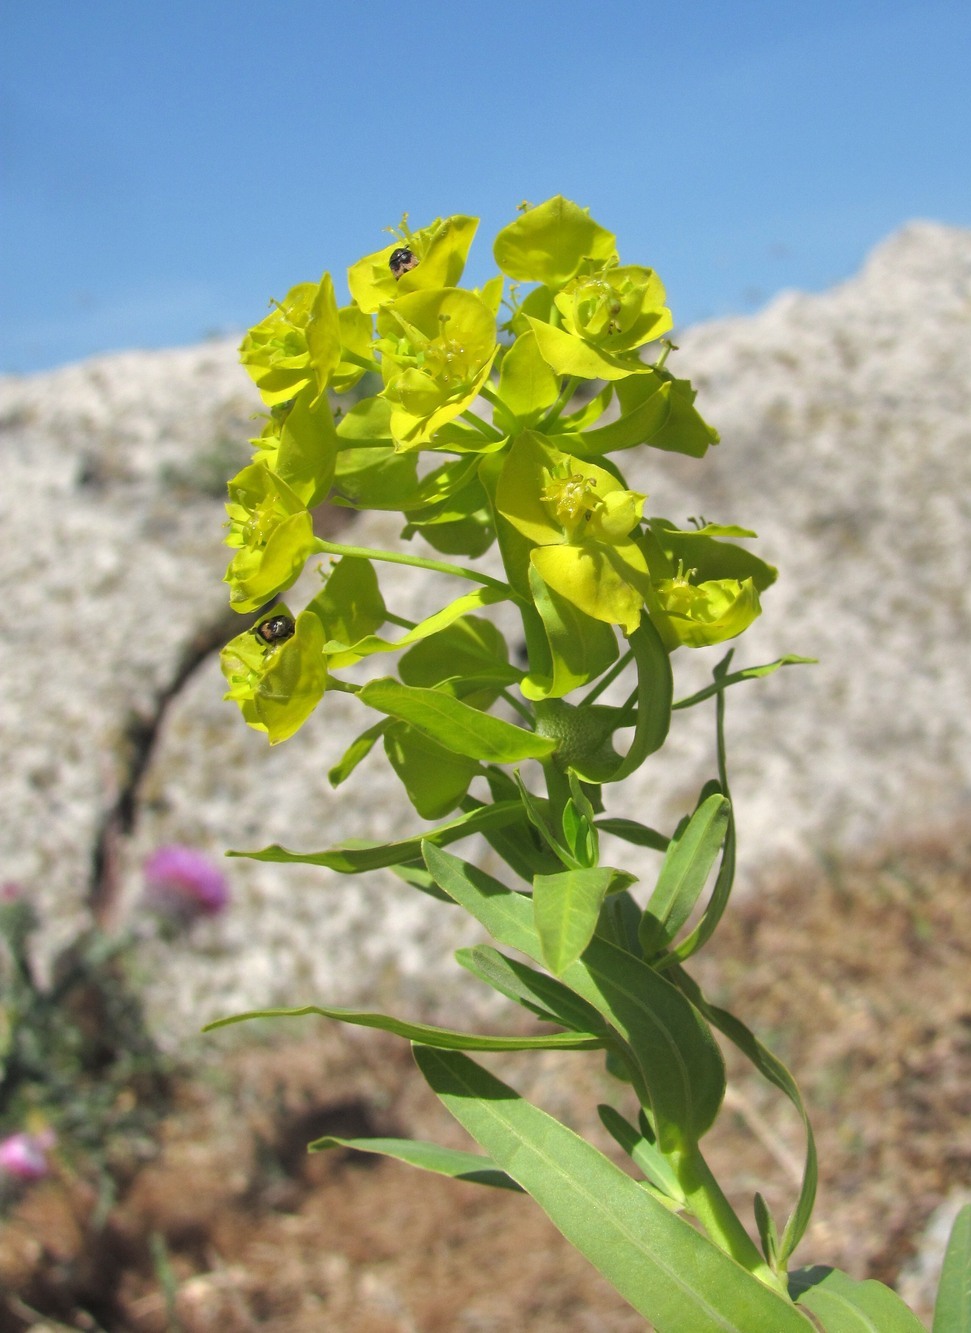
181	882
24	1156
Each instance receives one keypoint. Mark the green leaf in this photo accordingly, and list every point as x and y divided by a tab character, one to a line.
517	844
357	751
419	878
468	648
843	1305
655	688
655	412
527	385
771	1068
637	834
768	1235
342	654
580	647
350	605
350	858
579	829
952	1311
549	243
435	778
748	673
454	724
643	1153
537	811
687	865
566	907
375	477
446	1038
721	892
546	997
657	1261
429	1157
679	1062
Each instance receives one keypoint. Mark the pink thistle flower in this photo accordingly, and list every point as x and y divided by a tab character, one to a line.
180	882
23	1156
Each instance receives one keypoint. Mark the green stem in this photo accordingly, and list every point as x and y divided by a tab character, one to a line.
490	432
607	679
500	410
365	362
517	704
392	619
323	547
558	790
704	1198
667	347
342	686
566	393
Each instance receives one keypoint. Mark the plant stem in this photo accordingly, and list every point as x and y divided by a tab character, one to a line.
483	427
500	409
607	679
566	393
399	558
704	1198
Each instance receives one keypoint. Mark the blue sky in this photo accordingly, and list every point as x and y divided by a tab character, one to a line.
169	168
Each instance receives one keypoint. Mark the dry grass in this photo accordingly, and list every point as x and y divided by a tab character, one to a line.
856	975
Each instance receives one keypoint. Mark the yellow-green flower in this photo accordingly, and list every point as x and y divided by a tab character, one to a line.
440	250
303	340
437	348
581	521
703	590
615	309
709	612
551	242
273	533
277	685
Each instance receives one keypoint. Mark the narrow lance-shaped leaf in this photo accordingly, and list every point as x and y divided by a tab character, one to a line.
429	1157
843	1305
679	1061
721	892
566	907
544	996
643	1153
633	832
748	673
352	857
454	724
952	1310
357	751
657	1261
655	688
771	1068
447	1038
687	864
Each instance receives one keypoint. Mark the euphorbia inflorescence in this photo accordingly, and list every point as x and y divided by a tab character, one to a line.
490	420
515	398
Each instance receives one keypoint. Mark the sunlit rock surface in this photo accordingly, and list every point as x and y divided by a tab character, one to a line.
846	444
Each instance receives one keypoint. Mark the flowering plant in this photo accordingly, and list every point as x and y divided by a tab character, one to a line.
490	423
78	1065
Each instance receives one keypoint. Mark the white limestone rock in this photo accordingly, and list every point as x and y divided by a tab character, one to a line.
846	424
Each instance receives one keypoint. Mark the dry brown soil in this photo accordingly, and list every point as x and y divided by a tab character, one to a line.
856	975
